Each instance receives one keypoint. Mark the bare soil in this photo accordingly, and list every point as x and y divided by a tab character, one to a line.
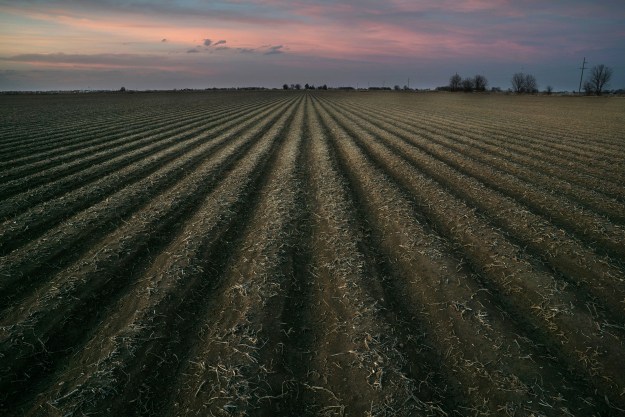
312	253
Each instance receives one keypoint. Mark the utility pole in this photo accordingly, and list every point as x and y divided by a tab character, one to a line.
579	90
408	83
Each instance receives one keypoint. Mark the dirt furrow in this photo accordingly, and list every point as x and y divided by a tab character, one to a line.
503	132
16	231
557	143
44	151
25	115
86	144
548	132
123	119
354	366
563	141
119	148
54	146
470	144
595	230
595	157
490	368
235	365
143	322
67	300
65	242
534	297
580	264
21	138
320	253
550	164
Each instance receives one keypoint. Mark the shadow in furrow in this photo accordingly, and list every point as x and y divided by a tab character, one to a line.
544	344
296	337
425	362
32	373
148	387
53	213
30	273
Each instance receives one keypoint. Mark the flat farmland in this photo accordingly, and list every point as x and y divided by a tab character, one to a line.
283	253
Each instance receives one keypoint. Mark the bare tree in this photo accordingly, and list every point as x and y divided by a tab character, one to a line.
549	90
518	82
524	83
531	86
599	78
480	83
455	82
467	85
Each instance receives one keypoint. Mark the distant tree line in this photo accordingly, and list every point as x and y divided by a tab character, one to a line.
476	83
306	87
596	83
522	83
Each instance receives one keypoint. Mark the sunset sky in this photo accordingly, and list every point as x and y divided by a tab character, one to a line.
106	44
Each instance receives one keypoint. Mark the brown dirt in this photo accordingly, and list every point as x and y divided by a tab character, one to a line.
315	254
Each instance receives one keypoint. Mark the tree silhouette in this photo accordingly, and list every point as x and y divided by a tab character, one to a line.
468	85
531	86
455	82
518	82
524	83
600	76
480	83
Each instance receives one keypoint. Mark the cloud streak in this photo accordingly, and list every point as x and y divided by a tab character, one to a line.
95	60
394	36
274	50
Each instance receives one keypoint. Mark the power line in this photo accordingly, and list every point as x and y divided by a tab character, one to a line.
579	90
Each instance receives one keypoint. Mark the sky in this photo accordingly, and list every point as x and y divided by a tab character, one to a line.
166	44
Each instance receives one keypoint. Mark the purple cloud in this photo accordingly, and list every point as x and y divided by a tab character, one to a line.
340	42
273	50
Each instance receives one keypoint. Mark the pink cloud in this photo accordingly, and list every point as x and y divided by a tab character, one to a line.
390	34
345	30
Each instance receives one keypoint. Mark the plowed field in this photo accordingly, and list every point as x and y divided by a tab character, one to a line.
312	254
